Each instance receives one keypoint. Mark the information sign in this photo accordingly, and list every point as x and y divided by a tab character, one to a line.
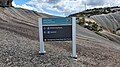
57	29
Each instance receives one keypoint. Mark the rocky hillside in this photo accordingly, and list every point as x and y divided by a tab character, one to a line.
110	22
19	44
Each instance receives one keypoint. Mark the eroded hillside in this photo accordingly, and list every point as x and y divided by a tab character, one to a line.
19	44
110	22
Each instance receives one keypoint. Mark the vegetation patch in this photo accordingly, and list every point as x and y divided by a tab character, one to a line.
93	26
97	11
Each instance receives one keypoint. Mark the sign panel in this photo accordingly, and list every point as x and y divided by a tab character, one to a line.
57	29
57	33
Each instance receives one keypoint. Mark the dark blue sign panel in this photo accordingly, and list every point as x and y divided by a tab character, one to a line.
57	29
57	33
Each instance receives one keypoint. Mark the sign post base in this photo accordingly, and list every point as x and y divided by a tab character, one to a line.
75	57
42	53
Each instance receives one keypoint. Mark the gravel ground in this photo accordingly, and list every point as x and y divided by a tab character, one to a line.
19	51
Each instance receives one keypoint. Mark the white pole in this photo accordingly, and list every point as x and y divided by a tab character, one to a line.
42	51
74	55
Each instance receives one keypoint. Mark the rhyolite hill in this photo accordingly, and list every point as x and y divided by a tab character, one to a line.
19	43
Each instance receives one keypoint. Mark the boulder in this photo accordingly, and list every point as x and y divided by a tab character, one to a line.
118	32
6	3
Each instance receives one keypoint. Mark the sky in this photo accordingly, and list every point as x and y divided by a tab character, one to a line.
63	7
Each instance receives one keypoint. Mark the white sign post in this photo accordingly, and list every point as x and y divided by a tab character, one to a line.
42	50
74	55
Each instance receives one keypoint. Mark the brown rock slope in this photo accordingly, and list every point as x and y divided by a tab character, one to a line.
19	44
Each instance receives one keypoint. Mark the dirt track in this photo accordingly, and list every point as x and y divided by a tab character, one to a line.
19	45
